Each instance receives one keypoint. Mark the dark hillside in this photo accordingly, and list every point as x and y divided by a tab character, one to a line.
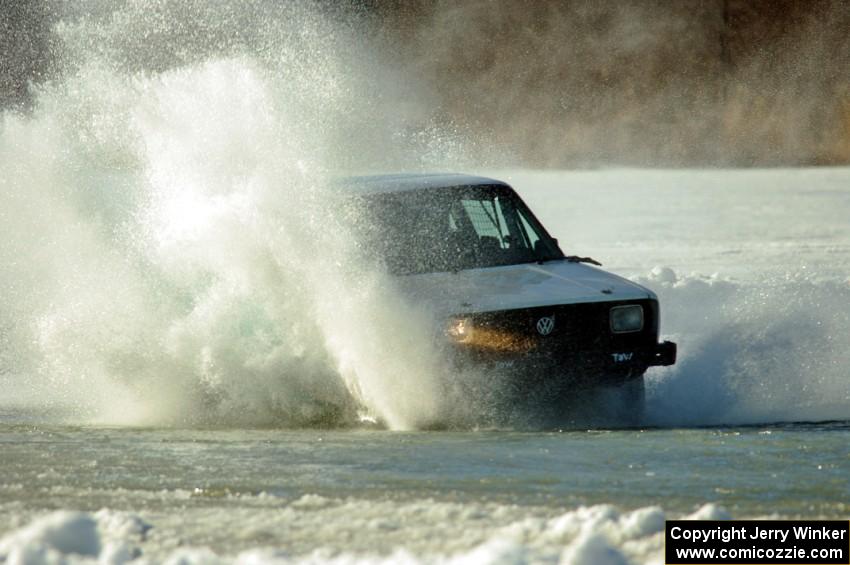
575	83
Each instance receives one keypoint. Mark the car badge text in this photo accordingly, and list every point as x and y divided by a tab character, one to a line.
545	325
622	357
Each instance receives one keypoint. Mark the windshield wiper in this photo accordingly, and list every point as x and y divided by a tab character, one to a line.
577	259
569	259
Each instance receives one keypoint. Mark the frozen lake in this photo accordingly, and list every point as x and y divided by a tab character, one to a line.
372	496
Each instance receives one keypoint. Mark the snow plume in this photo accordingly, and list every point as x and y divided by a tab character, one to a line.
776	350
171	248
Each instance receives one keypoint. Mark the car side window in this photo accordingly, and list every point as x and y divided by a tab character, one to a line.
528	231
487	219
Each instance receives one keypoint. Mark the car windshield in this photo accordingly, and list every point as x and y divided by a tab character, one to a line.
451	229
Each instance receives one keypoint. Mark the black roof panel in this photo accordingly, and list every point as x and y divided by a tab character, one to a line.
413	181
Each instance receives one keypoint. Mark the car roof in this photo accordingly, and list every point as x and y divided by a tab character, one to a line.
401	182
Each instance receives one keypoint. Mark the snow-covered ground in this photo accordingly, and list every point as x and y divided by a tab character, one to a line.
752	225
597	535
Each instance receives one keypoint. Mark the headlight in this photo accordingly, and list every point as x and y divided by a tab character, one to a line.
460	330
627	318
482	337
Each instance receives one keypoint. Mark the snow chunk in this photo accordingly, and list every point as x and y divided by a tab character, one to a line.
311	501
710	511
663	275
120	525
189	556
59	533
593	549
116	553
496	552
68	537
643	522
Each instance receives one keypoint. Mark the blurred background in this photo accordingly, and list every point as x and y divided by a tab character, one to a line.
557	84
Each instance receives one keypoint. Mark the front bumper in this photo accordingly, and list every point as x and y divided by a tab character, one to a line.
664	355
583	367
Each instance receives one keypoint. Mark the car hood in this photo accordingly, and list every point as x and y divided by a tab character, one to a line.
526	285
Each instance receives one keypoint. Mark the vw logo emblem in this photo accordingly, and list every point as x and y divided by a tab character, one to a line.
546	325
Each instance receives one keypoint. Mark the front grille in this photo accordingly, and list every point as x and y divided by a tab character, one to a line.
581	334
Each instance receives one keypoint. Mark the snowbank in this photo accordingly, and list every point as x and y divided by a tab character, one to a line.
593	535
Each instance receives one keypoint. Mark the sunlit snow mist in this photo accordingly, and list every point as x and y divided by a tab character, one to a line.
773	350
170	248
